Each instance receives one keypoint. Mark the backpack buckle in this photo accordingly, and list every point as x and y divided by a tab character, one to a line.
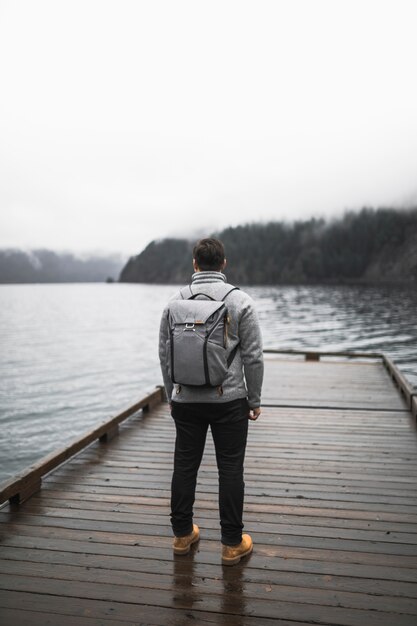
189	326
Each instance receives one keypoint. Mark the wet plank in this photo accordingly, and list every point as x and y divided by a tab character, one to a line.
101	611
329	383
330	502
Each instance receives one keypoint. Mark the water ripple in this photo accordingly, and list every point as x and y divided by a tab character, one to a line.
75	354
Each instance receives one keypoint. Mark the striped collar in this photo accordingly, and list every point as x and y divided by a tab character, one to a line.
208	277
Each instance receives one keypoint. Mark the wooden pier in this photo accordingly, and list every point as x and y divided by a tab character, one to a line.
331	504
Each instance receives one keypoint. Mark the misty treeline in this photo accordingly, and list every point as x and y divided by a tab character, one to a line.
369	245
46	266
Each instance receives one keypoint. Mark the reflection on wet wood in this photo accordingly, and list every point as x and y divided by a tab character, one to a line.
331	504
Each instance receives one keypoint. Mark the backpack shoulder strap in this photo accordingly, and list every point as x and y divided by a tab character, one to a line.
186	292
236	348
229	291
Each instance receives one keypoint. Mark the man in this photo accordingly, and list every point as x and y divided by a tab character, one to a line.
225	409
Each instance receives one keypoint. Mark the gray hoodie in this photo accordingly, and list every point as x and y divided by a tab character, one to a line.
245	375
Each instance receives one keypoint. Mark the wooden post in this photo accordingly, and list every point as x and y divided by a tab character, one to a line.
109	434
19	488
25	491
414	405
155	400
399	379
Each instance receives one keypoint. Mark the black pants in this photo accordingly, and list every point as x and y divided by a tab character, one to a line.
229	427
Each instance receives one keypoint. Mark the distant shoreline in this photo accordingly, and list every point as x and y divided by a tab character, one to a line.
366	247
410	282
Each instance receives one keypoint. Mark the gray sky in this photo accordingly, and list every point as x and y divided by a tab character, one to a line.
124	121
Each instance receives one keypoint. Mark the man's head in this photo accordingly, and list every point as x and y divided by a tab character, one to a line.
208	255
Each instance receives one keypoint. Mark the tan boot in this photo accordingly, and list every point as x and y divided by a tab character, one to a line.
182	545
232	554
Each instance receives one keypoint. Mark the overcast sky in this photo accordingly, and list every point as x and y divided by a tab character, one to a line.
124	121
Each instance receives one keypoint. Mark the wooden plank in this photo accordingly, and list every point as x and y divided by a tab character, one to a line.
17	488
394	534
276	482
210	507
330	502
34	617
334	499
208	518
324	353
293	474
113	613
268	476
159	547
150	532
149	584
267	513
295	572
161	496
268	602
323	383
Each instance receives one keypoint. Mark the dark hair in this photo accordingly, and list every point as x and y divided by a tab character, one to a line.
209	254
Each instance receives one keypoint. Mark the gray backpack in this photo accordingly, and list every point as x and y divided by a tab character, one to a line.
197	344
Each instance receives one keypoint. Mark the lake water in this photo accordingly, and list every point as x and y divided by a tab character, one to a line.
73	355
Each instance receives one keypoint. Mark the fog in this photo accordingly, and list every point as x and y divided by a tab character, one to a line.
122	122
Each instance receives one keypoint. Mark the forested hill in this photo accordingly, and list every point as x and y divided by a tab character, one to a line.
46	266
366	246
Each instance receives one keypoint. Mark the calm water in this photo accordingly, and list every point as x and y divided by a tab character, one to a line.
74	355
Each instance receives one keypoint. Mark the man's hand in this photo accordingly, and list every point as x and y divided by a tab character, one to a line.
254	413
